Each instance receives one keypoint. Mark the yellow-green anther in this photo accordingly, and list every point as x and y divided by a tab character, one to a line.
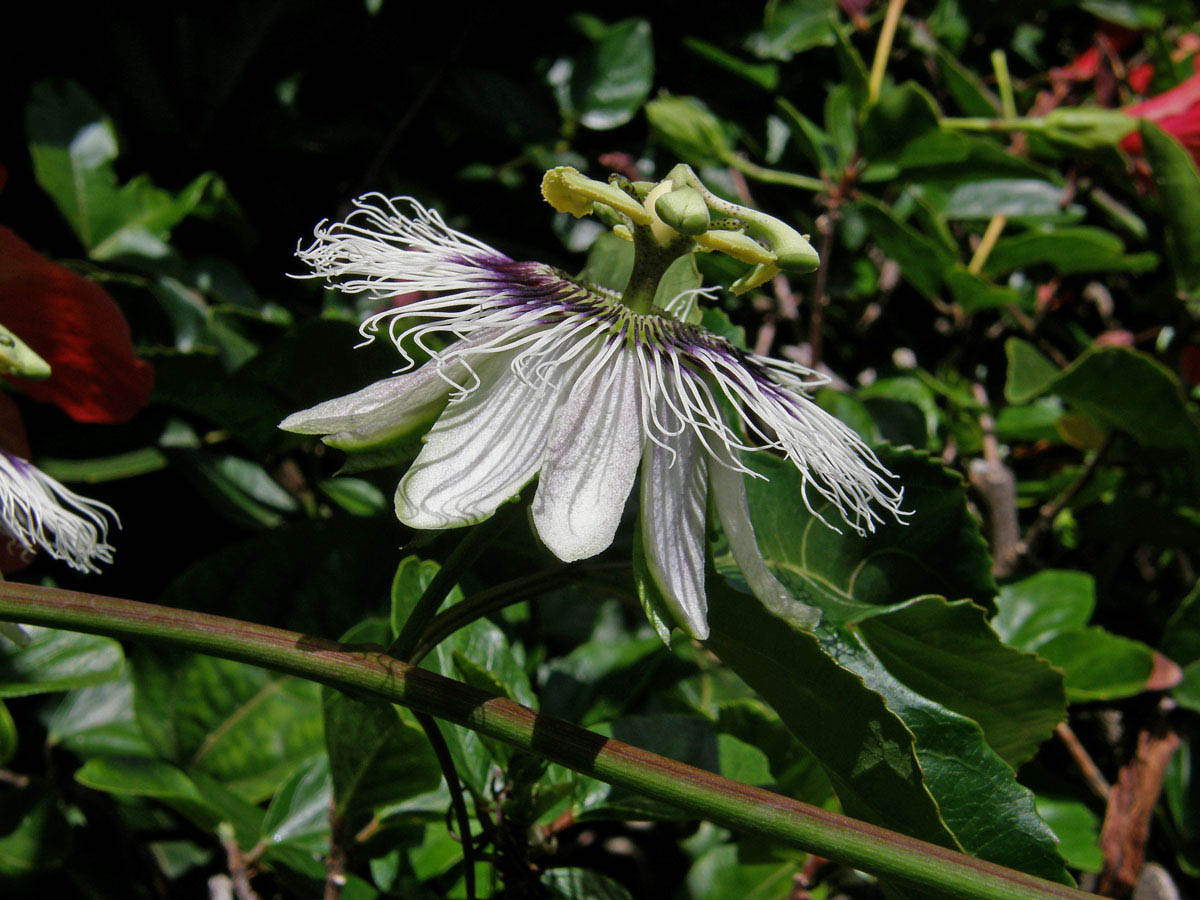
760	274
623	232
17	359
737	245
684	210
567	190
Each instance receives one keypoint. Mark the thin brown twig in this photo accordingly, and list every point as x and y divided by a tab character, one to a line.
997	484
1083	760
239	872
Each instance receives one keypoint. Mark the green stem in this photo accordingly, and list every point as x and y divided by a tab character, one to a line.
728	803
427	605
980	123
774	176
650	262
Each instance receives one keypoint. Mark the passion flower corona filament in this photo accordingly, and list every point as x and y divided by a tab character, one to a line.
549	377
38	512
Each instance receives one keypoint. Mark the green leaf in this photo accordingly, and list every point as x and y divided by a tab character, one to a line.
980	800
1037	609
105	468
582	884
375	758
1077	829
1068	250
765	75
134	776
1029	372
97	721
947	653
850	577
612	81
239	488
408	584
689	130
793	27
299	812
1178	184
8	736
903	128
356	496
1014	198
1181	638
866	751
720	873
34	834
57	661
1187	692
1099	665
609	263
921	260
73	146
1118	388
241	725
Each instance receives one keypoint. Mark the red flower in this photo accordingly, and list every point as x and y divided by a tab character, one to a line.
1177	112
75	326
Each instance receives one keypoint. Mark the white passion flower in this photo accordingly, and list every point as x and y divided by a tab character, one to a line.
38	512
563	381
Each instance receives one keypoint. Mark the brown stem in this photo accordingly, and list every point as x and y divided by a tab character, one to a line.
1049	511
1083	760
1130	807
997	485
239	874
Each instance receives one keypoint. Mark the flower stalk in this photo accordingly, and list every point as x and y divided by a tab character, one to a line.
729	803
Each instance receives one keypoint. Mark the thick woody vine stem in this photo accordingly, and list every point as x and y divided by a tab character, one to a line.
729	803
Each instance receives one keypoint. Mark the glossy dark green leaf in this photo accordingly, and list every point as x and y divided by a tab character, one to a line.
765	75
243	726
240	488
1118	388
689	129
375	757
866	750
57	661
903	128
1014	198
299	812
1067	250
1077	829
138	777
105	468
721	872
850	577
1099	665
356	496
977	794
582	884
73	145
97	721
1037	609
922	260
792	27
610	83
947	653
1178	184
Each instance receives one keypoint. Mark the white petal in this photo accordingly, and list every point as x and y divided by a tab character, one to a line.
485	447
674	504
387	408
592	461
729	493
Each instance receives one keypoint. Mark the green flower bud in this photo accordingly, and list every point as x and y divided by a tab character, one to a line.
1088	128
684	210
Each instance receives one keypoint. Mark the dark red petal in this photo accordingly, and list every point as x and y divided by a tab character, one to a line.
75	326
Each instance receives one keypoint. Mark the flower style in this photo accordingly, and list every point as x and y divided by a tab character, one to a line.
564	381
